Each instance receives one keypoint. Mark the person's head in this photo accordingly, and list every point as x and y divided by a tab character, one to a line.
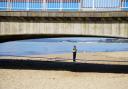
74	46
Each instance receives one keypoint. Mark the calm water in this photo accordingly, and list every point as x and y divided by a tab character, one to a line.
58	45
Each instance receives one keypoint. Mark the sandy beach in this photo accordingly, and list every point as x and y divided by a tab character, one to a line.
118	58
101	70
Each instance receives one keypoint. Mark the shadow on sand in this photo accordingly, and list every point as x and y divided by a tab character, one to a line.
63	66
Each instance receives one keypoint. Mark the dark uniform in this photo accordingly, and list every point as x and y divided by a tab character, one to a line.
74	51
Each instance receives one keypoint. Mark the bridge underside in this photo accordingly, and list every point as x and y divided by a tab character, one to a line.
37	36
16	28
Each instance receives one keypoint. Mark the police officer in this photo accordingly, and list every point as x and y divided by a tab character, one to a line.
74	51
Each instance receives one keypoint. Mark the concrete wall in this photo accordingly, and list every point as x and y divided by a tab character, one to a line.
112	29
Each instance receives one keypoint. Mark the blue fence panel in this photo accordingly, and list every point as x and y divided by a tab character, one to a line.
53	6
3	5
26	6
109	4
125	6
38	5
63	6
35	6
101	4
70	6
18	6
87	3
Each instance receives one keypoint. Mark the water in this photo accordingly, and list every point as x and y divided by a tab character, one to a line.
58	46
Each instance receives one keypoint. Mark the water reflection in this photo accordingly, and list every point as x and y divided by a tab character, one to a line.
61	45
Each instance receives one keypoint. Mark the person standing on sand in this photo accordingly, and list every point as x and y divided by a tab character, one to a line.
74	51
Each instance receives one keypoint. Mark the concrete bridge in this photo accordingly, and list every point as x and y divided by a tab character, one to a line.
88	21
23	25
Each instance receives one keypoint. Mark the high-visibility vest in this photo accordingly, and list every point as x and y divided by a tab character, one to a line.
74	50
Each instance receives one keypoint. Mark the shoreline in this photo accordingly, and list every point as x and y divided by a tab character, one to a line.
120	58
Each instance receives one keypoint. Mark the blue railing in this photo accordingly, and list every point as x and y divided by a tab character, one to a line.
63	5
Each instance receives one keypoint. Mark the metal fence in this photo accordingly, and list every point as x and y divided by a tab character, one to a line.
63	5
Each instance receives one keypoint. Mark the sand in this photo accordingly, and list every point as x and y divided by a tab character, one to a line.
91	71
94	57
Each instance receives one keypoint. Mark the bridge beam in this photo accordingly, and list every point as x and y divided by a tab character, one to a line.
28	27
65	14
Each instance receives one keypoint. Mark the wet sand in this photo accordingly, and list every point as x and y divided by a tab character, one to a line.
118	58
91	71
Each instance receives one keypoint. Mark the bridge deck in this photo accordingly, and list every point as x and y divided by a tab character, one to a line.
65	14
